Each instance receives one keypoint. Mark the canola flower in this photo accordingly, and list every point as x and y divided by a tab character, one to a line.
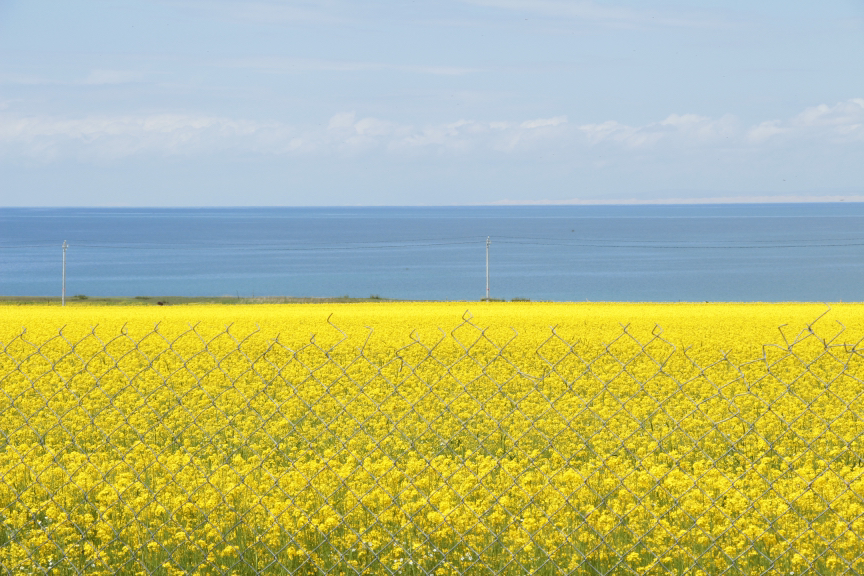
416	439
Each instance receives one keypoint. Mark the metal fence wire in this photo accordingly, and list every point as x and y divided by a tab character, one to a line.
465	454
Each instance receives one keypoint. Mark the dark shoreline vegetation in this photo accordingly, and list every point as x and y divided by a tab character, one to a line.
79	300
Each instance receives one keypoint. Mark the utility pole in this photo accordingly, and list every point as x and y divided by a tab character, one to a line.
63	295
487	268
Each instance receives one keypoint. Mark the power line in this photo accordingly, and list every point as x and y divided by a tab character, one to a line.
650	241
92	243
276	248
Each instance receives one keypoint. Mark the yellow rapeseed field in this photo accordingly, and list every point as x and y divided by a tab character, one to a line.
457	438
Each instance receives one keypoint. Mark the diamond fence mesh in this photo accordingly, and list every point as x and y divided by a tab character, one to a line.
465	454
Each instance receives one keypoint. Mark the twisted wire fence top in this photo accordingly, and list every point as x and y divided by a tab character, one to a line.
470	452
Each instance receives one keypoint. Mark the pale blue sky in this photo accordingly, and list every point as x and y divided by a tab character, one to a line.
332	102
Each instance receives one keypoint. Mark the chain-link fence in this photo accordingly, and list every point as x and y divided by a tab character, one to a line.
464	454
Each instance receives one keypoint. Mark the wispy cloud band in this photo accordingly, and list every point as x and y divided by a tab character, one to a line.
611	15
106	137
298	65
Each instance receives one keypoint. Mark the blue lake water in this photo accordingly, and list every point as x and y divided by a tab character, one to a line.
776	252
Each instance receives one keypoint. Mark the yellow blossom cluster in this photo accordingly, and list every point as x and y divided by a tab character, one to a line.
423	439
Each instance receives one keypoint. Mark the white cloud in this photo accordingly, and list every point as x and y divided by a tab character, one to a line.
701	128
844	120
451	135
692	129
765	130
614	131
841	122
842	115
543	122
374	128
829	124
346	132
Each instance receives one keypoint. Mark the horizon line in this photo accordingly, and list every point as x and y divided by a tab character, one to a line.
715	200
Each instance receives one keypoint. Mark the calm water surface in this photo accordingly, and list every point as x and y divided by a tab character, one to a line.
772	252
